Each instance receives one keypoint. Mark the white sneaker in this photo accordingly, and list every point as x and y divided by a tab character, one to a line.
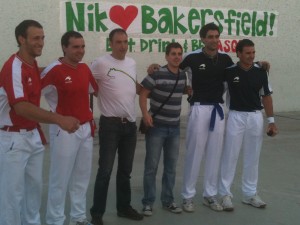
188	205
147	210
83	222
227	203
255	201
212	203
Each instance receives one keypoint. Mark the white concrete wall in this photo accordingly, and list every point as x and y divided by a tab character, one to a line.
281	51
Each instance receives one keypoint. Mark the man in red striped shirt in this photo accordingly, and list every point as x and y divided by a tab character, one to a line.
21	139
66	84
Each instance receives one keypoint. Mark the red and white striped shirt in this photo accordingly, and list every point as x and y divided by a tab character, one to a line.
19	81
66	89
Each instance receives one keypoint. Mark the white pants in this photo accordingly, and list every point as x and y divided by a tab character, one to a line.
21	177
70	169
202	143
244	130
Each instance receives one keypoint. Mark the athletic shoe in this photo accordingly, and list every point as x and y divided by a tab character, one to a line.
130	213
173	208
212	203
83	222
188	205
255	201
147	210
97	219
227	203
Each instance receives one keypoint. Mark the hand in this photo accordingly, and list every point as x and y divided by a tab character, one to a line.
189	90
152	68
265	65
148	120
272	130
69	124
95	94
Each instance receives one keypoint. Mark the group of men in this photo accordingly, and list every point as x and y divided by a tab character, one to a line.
212	73
67	83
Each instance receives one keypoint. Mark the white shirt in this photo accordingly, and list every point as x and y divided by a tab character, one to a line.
117	86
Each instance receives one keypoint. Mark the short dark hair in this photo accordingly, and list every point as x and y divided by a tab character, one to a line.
172	45
21	29
208	27
114	31
66	37
243	43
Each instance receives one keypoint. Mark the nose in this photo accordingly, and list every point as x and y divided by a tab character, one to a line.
82	49
41	41
123	46
216	39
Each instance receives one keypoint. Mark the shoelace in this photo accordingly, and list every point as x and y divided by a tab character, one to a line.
212	200
188	201
172	206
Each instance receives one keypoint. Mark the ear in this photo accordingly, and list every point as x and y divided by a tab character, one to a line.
63	48
21	39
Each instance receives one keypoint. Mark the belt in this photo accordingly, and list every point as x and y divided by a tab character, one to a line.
16	129
217	108
118	119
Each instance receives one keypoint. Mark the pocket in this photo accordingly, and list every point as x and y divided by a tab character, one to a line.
6	142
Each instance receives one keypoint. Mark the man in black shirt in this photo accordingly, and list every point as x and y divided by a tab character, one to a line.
249	89
205	128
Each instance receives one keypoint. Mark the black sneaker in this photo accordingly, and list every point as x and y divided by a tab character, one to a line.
130	213
173	208
97	219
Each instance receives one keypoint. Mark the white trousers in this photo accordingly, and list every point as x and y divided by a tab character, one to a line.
244	130
20	177
70	169
202	143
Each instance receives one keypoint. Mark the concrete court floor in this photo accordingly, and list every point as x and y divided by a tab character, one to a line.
279	185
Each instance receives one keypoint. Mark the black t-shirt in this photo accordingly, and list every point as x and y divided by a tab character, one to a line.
207	75
246	87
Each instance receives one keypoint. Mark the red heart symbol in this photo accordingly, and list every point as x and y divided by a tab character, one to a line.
123	17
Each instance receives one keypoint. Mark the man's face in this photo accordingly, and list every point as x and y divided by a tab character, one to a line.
247	56
119	45
211	41
34	42
174	57
75	50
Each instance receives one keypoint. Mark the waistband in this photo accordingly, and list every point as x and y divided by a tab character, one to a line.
245	111
204	103
118	119
217	108
16	129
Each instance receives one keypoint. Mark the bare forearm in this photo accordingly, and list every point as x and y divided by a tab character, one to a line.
32	112
272	129
143	103
138	88
268	105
